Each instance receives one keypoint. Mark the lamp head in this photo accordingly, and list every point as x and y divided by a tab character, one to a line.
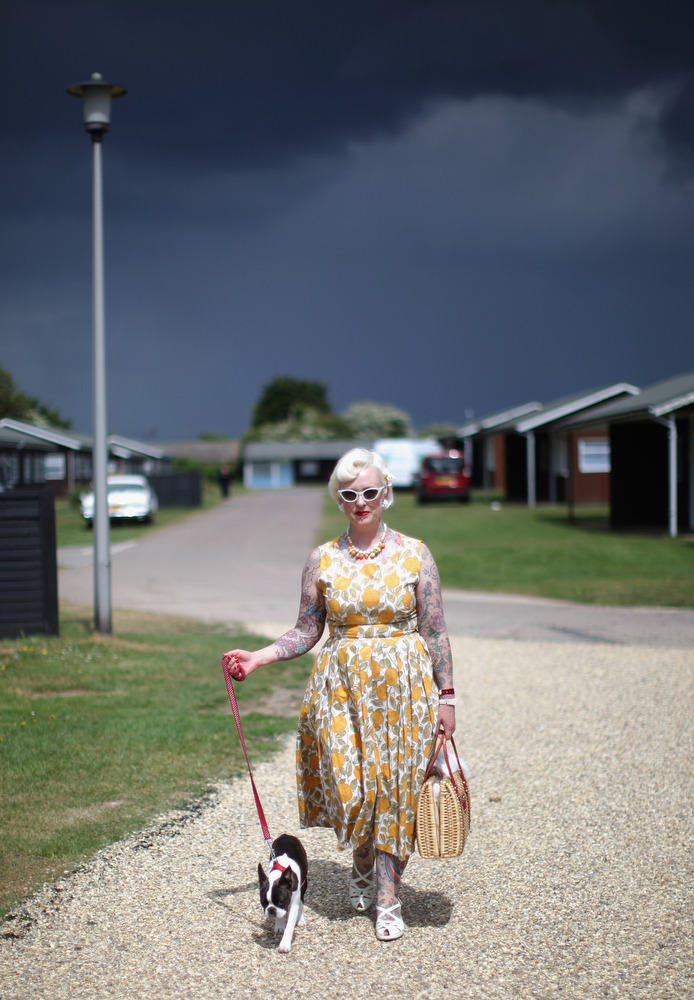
96	97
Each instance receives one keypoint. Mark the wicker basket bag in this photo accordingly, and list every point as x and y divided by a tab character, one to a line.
443	808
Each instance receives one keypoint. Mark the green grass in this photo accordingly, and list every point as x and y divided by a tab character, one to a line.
71	528
99	735
539	552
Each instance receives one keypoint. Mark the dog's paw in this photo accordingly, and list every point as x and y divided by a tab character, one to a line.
285	946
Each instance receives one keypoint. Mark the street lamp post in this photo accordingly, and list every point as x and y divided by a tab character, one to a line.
96	100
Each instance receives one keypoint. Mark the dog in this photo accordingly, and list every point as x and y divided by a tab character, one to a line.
283	889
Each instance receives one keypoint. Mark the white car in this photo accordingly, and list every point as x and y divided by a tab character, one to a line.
129	497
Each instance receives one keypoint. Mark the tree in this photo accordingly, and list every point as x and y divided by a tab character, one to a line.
309	425
443	430
377	420
286	397
13	403
17	406
46	416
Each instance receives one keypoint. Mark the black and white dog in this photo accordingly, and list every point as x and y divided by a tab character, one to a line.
283	889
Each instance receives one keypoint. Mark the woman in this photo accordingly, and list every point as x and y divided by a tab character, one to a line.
372	705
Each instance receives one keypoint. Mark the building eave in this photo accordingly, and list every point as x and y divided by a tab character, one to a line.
495	420
567	409
44	434
126	447
662	409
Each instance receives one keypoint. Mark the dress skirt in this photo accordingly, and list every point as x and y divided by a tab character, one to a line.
366	725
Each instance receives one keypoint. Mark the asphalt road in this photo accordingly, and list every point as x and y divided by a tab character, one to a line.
242	562
577	879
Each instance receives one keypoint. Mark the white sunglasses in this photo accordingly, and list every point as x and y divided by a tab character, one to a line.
370	494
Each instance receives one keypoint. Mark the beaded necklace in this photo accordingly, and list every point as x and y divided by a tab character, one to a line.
364	553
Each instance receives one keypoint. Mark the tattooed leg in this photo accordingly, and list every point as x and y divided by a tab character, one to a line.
362	884
389	871
363	857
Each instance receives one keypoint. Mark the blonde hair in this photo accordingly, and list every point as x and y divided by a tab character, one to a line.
352	463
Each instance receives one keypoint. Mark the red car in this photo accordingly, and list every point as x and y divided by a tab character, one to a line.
442	476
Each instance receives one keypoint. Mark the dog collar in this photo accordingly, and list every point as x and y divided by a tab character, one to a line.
276	866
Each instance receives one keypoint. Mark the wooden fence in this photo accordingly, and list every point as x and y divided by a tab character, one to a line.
28	563
177	489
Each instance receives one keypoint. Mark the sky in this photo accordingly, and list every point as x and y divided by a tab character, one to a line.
449	206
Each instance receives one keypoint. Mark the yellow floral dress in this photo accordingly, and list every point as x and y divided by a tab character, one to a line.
367	721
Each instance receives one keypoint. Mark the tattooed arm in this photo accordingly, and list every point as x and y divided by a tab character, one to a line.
311	621
298	640
432	626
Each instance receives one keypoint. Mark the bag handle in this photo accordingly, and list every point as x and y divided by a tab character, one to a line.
441	743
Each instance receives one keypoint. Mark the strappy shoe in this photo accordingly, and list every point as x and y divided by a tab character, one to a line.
362	889
389	924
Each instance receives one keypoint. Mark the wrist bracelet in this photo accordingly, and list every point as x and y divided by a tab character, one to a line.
448	701
447	691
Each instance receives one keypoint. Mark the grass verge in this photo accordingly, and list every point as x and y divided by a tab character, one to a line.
100	735
71	528
512	549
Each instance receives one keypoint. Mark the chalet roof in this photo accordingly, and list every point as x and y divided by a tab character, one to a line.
494	420
20	432
658	400
210	452
123	447
568	405
17	432
530	416
268	451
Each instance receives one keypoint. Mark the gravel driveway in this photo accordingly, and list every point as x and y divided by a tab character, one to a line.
577	880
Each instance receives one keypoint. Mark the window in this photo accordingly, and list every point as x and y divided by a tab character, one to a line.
32	468
82	467
9	469
54	466
444	463
593	455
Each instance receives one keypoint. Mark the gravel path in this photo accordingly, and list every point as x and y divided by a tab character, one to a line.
577	881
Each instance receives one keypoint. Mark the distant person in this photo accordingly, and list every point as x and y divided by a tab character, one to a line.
380	690
224	480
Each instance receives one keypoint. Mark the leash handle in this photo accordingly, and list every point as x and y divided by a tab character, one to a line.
237	719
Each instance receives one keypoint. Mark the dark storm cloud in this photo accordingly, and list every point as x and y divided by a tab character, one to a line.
258	80
677	126
491	195
280	78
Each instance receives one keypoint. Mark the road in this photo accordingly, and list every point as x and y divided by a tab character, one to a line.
577	879
242	561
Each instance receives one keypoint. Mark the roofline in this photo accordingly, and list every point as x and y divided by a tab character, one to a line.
496	419
42	433
661	409
581	403
331	448
135	446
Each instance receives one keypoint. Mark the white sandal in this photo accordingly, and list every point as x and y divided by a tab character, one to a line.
389	925
362	889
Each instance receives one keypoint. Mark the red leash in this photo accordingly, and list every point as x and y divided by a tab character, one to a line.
237	720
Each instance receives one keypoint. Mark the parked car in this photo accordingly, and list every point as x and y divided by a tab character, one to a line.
130	498
443	476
